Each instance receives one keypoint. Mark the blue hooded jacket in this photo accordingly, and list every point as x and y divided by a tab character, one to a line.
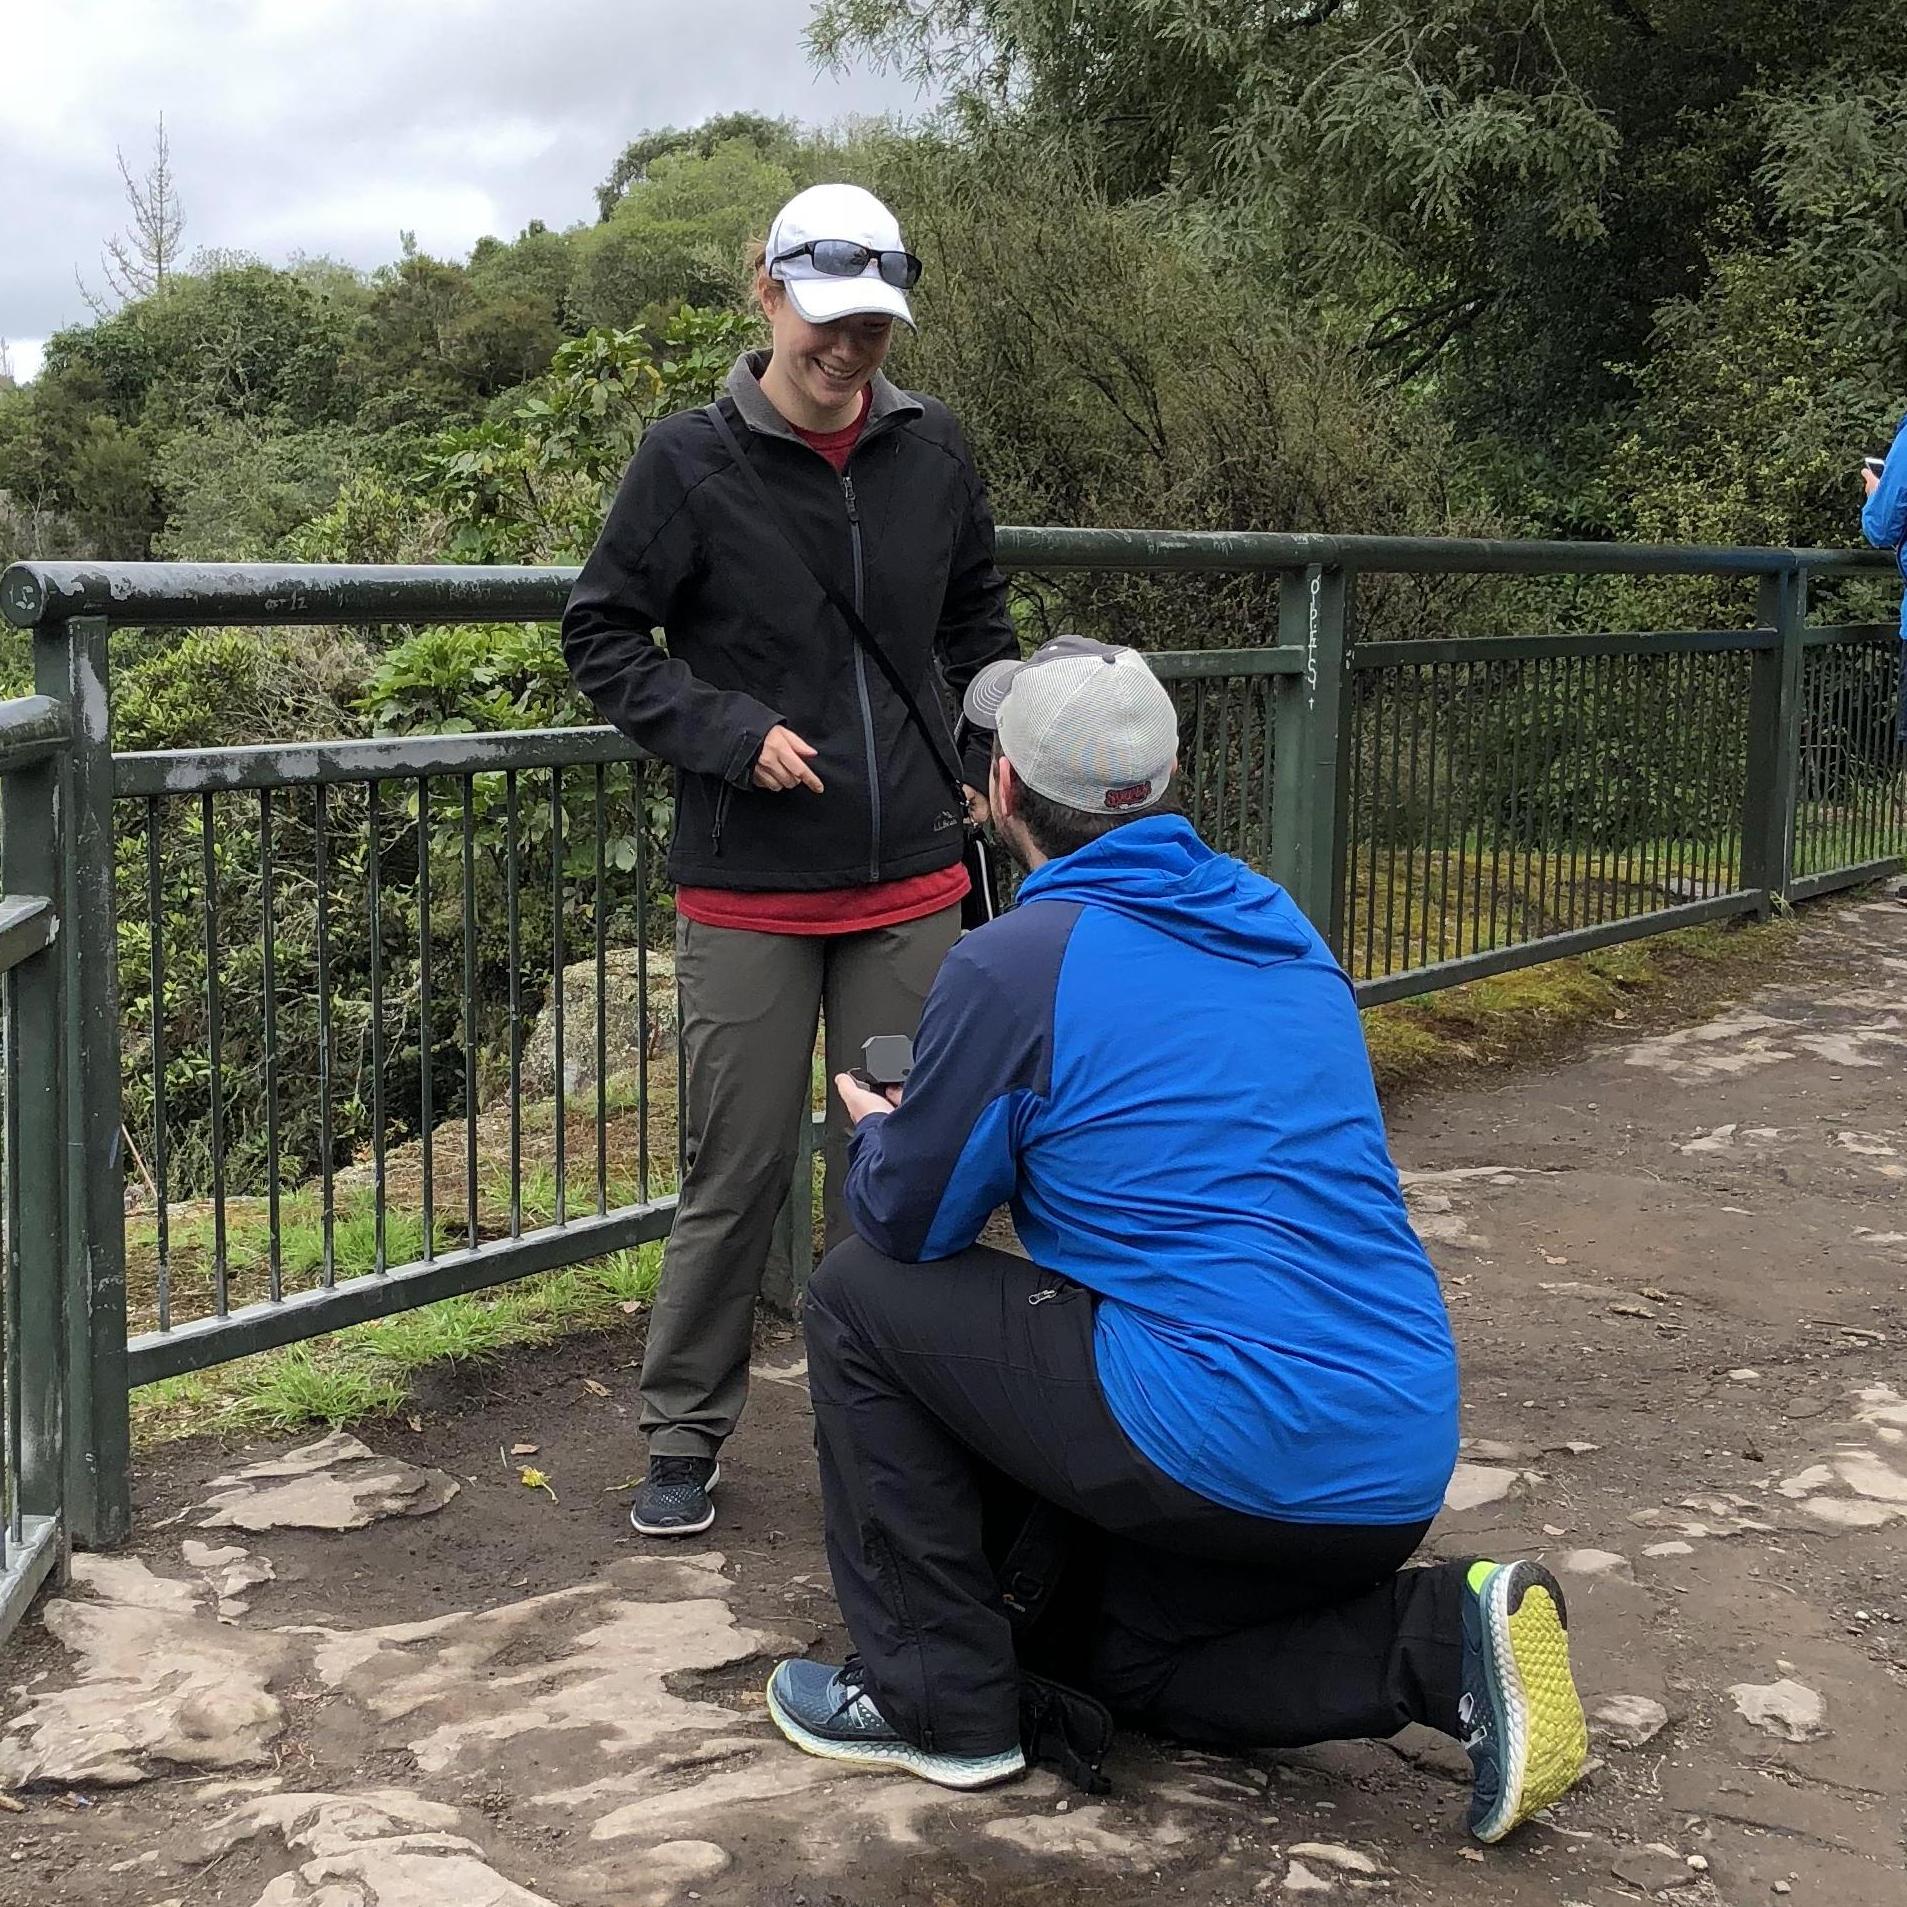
1884	515
1155	1059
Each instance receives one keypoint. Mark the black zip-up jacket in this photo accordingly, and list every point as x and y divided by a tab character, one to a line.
905	535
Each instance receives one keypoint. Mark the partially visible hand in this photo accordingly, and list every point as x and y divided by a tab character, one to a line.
1869	481
859	1102
783	762
978	812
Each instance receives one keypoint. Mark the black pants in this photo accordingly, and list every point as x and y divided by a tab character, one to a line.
943	1390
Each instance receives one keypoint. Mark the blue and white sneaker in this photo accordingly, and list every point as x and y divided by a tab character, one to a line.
674	1498
829	1712
1522	1719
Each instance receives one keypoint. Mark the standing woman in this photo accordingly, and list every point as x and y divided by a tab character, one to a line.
818	827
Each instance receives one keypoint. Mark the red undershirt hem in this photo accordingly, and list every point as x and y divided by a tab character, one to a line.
830	910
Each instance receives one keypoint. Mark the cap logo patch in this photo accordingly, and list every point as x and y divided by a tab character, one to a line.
1133	795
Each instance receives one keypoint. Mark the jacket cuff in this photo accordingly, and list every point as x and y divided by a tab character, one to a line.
756	720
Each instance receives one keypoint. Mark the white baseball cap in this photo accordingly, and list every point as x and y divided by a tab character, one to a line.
845	212
1087	724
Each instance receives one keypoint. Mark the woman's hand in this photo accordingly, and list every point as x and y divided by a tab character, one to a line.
1869	481
783	762
978	811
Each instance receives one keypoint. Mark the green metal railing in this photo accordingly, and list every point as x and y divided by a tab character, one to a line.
367	1056
35	732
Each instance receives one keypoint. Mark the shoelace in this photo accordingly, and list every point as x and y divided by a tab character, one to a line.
674	1472
850	1683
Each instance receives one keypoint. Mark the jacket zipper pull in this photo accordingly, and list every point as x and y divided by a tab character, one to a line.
847	493
721	816
1040	1297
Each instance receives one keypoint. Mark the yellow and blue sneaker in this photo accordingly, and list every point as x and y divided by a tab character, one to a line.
830	1713
1522	1719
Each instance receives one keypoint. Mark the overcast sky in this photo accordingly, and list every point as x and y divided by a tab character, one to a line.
331	125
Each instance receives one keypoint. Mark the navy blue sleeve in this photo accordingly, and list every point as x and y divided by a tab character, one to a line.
923	1179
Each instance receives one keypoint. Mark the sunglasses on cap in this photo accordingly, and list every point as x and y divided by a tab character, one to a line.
842	258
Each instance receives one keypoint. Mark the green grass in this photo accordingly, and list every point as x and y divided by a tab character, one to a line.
1512	1015
300	1386
368	1371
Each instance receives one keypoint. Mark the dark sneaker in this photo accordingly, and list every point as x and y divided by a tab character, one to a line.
830	1713
674	1498
1522	1720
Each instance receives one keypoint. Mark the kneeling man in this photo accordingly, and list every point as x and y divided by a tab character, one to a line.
1228	1359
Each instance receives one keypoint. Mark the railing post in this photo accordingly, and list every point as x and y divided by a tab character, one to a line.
1774	741
1312	758
70	664
32	819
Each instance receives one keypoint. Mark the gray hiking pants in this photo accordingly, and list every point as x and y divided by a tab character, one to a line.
750	1003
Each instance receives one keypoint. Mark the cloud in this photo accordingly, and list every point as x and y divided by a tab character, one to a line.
332	125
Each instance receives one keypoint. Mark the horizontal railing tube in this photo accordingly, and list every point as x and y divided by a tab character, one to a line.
1407	555
156	595
206	595
184	771
1404	655
33	728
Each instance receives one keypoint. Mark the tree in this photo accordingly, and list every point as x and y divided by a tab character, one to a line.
139	261
679	236
1108	373
1494	194
773	139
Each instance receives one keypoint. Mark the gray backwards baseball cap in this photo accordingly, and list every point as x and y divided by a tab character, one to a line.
1084	723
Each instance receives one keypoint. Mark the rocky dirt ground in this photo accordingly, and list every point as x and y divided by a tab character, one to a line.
333	1678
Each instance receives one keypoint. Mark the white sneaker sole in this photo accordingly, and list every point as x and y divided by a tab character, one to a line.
945	1771
681	1529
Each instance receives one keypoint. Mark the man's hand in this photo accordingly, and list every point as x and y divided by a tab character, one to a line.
1869	482
783	762
978	811
859	1102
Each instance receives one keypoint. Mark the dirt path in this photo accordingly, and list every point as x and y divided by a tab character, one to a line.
1676	1266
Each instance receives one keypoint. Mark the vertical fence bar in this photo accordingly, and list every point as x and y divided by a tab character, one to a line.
513	942
156	974
70	664
374	907
1636	817
601	924
636	786
268	937
1503	758
1433	676
214	1052
556	992
1374	694
426	1026
1604	677
32	824
1403	822
1355	912
470	1007
1574	734
1312	756
328	1192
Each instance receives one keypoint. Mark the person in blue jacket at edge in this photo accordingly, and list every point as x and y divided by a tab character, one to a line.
1182	1453
1884	524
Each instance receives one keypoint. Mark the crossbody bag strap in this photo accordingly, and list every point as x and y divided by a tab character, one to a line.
857	626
